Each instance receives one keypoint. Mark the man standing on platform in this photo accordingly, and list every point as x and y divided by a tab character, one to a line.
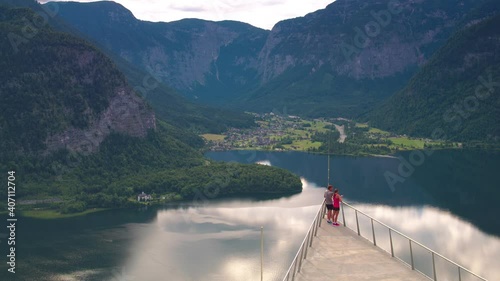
329	203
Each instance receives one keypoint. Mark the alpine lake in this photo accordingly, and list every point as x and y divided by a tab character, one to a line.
447	200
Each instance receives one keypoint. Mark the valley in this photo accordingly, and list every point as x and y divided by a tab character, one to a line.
320	135
143	146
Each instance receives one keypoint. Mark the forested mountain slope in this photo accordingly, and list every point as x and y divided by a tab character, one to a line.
457	94
72	127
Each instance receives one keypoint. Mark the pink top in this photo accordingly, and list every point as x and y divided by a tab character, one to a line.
336	200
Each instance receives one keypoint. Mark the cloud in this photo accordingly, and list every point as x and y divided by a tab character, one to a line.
261	13
188	8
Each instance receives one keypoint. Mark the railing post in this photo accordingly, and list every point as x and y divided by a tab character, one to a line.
318	223
373	232
294	269
313	231
304	248
411	256
306	244
390	238
261	253
322	214
459	274
357	222
300	260
343	215
434	268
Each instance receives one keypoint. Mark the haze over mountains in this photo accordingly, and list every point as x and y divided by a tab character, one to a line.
340	61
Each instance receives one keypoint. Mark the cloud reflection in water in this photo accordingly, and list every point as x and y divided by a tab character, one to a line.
445	233
264	162
221	241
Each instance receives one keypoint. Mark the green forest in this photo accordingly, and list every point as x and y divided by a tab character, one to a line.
356	143
159	165
455	96
47	90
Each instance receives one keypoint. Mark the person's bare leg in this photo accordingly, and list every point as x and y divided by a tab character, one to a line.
329	215
335	215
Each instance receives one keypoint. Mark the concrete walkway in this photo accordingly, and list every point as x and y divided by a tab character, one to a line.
339	254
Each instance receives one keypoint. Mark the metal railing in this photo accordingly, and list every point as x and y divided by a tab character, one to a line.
434	266
306	243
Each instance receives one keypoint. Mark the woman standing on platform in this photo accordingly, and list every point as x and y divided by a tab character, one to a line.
337	198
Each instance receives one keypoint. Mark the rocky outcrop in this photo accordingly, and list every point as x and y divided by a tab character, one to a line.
346	59
194	56
341	60
185	67
127	114
59	92
362	40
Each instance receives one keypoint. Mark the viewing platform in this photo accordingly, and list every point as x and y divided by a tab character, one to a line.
363	248
338	253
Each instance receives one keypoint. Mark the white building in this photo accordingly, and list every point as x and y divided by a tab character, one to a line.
144	197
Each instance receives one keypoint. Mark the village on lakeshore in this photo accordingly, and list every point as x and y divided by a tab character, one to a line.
277	132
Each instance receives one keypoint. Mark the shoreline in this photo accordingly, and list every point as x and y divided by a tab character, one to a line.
50	214
335	154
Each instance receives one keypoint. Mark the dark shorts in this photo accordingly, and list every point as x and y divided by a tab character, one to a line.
336	208
329	207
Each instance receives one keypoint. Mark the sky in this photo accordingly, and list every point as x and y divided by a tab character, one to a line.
259	13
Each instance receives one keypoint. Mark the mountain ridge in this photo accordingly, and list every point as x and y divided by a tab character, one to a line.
353	81
302	64
164	44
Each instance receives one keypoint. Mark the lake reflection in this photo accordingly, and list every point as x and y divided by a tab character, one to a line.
220	240
439	230
447	204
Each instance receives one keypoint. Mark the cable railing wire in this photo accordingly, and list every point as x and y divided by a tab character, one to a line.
313	230
434	254
306	243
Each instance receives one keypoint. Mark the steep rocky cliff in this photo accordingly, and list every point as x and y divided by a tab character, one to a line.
346	58
59	92
199	58
362	39
126	114
339	61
